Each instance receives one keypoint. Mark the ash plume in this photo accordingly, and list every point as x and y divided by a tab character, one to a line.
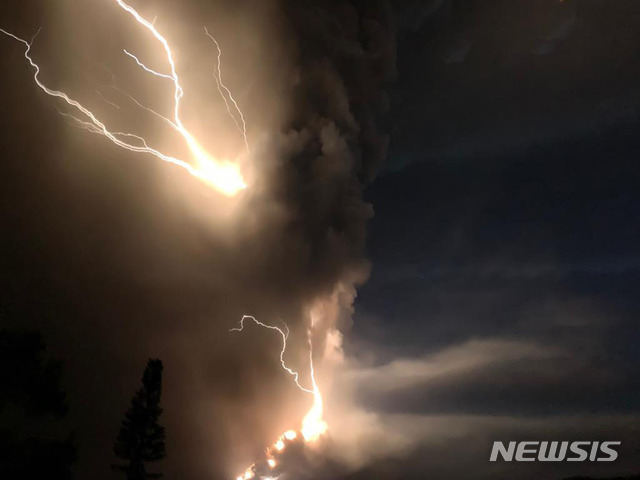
330	148
164	268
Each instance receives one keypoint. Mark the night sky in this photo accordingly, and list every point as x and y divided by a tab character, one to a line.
469	167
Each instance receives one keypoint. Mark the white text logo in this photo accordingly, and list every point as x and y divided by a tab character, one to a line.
554	451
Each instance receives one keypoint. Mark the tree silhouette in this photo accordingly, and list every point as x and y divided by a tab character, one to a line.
141	438
32	407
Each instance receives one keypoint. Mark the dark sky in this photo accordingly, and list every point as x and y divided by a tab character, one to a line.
508	215
504	293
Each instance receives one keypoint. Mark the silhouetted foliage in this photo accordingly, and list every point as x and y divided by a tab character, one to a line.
27	378
31	405
36	457
141	438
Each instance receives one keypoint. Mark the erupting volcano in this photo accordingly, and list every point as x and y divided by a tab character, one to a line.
313	426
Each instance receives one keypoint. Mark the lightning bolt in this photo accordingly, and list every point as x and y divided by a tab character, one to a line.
106	100
225	176
313	426
153	72
242	126
285	336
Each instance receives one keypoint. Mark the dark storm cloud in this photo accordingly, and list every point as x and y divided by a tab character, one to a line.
412	13
503	98
346	58
332	147
556	34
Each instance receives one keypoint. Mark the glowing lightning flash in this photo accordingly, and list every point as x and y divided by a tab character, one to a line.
217	74
284	336
225	176
313	426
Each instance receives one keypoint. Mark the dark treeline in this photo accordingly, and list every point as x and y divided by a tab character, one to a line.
32	407
34	442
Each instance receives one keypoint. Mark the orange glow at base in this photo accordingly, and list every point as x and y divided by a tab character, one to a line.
313	425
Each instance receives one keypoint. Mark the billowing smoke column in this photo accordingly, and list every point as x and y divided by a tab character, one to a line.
295	249
344	57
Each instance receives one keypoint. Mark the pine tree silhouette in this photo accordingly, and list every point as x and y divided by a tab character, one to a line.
141	438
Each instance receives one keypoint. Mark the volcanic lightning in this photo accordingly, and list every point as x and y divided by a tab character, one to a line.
222	90
223	175
313	425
